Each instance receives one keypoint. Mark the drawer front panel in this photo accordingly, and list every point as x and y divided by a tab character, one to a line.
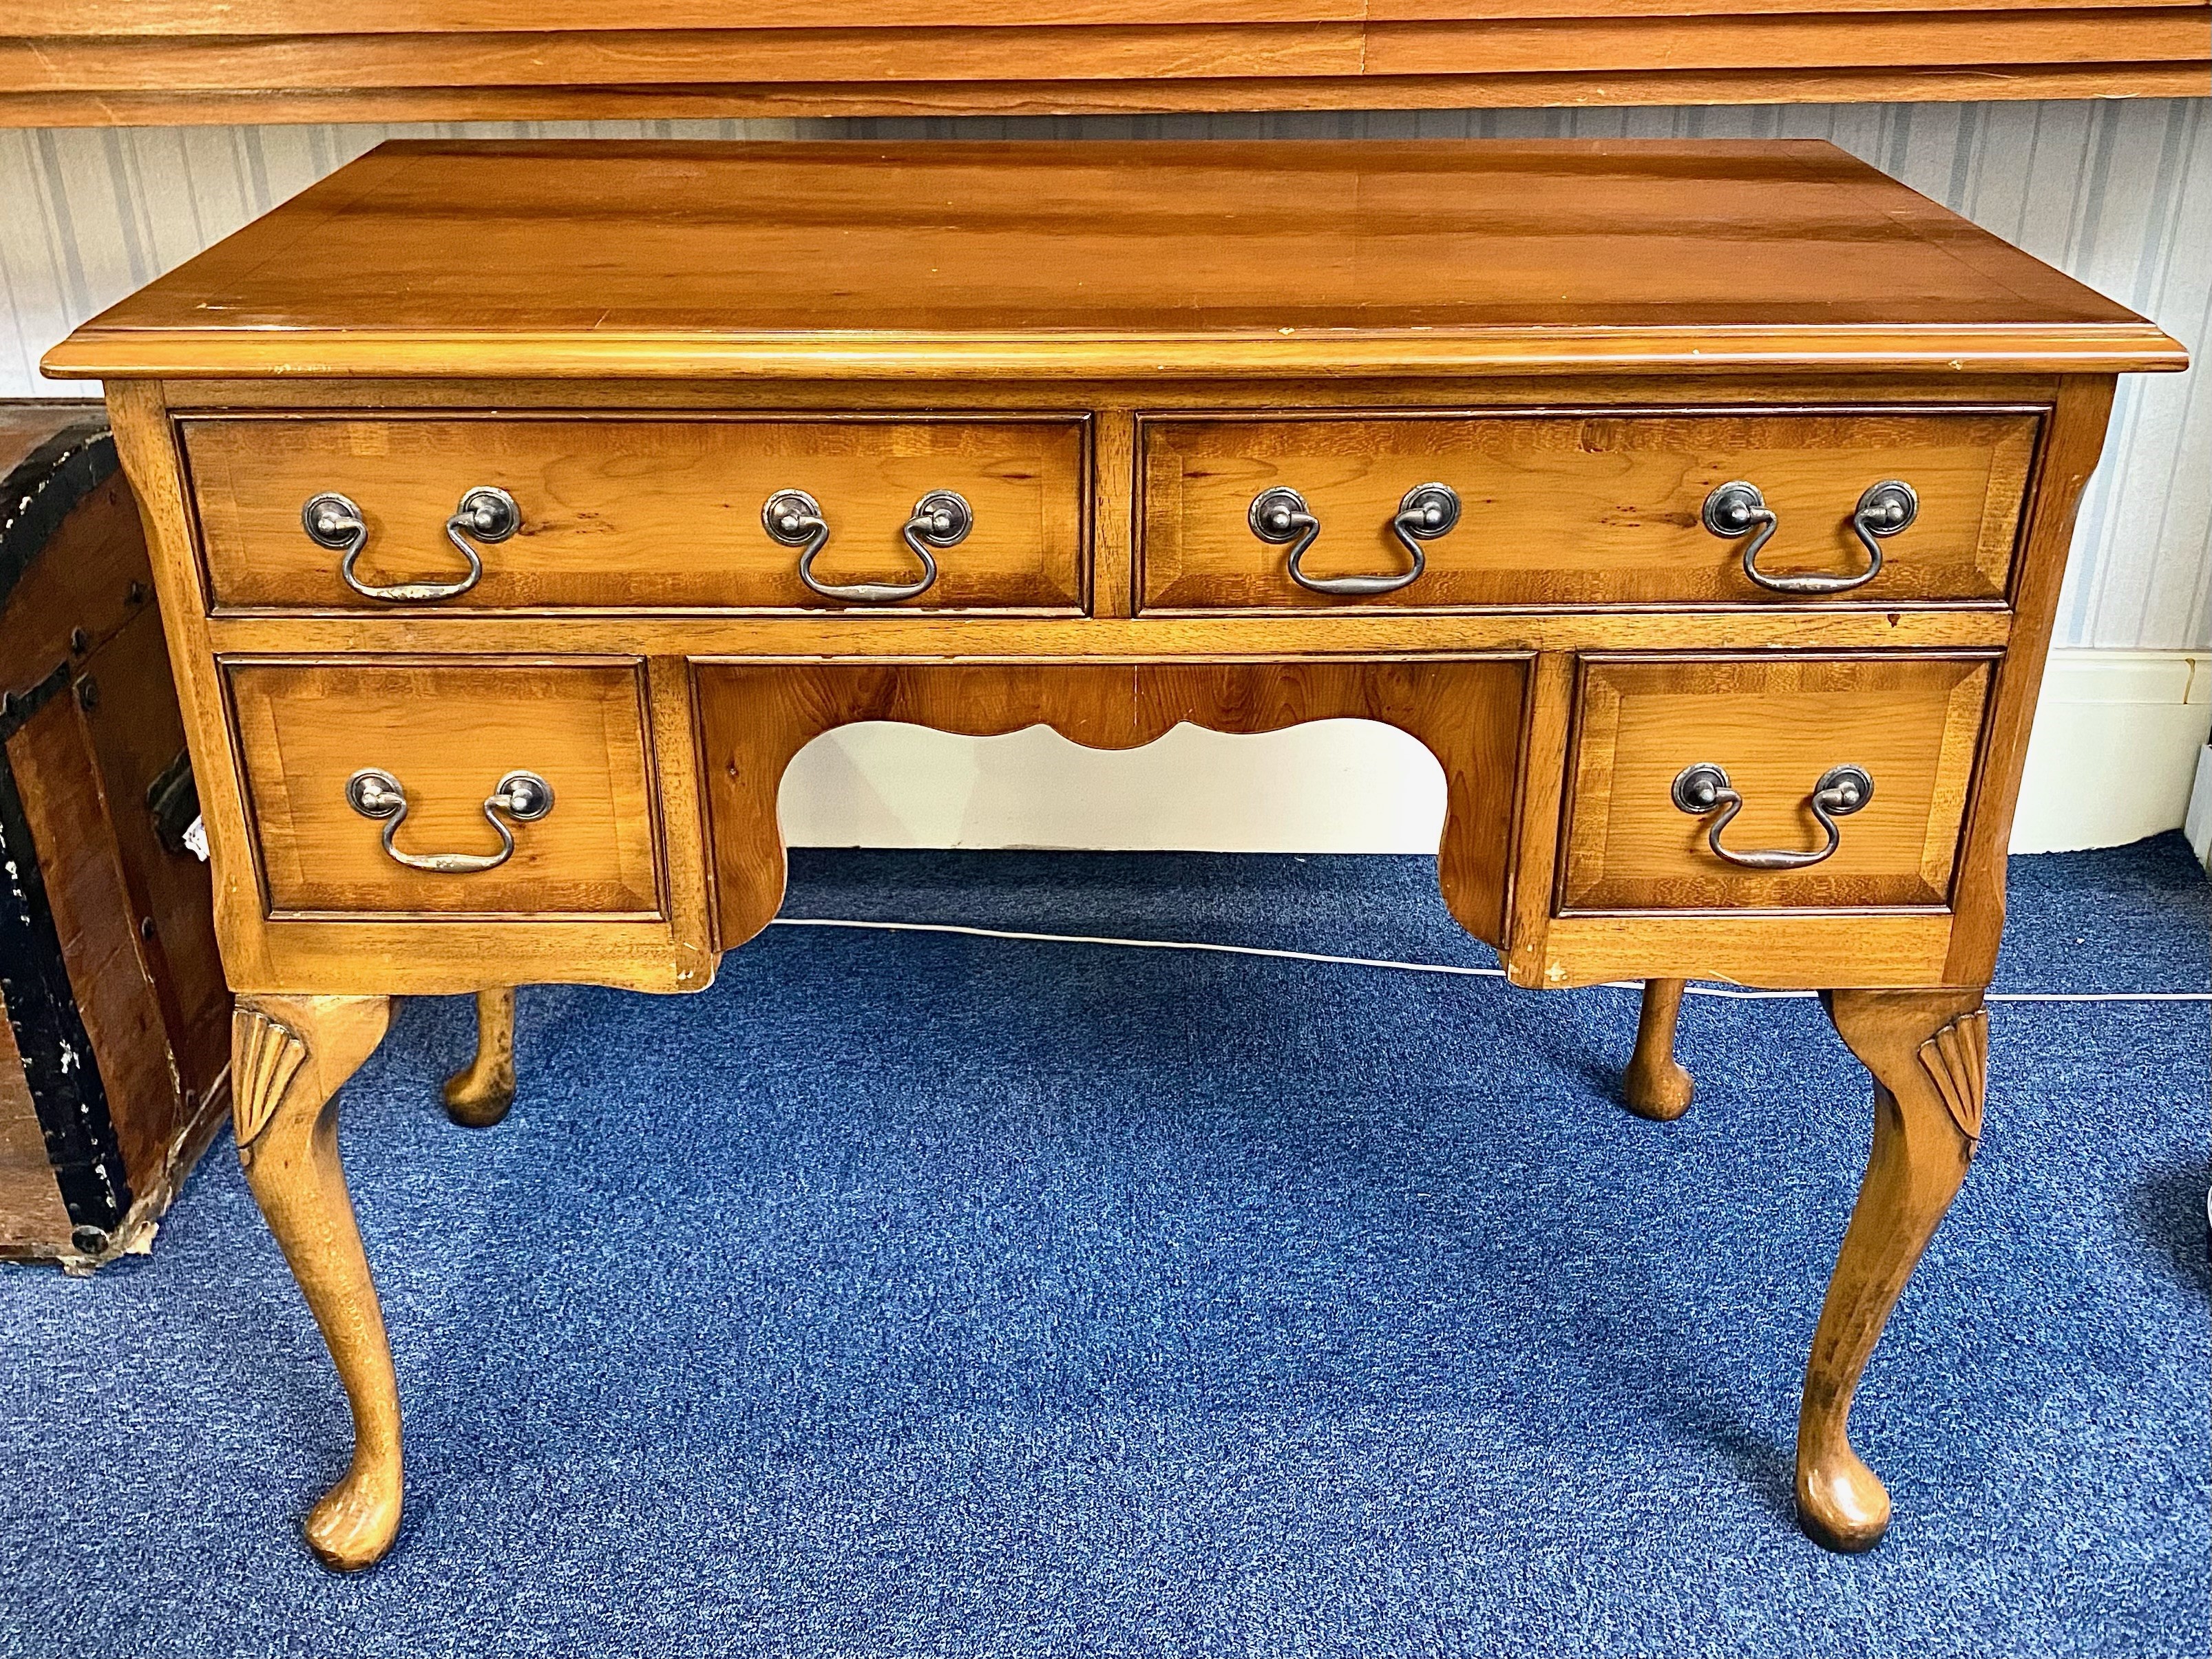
1775	726
447	735
632	513
1580	509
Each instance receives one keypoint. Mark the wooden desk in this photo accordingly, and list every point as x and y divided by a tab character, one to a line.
520	509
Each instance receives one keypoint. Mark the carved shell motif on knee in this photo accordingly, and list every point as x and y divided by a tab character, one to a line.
1957	1060
265	1057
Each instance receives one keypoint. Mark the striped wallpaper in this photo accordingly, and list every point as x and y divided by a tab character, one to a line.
2118	193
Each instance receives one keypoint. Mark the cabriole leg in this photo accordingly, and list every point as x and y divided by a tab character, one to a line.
480	1093
1929	1054
1655	1086
288	1057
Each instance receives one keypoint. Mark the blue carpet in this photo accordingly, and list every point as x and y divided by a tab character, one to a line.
921	1294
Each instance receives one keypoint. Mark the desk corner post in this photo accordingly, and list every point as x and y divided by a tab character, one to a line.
289	1055
1928	1055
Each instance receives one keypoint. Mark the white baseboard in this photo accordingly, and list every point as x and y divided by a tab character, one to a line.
2113	759
2115	751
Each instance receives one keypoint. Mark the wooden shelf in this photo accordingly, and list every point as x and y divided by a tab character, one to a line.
89	63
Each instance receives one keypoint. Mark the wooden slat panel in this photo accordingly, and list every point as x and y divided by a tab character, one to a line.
1779	43
2183	78
220	18
97	62
680	57
1412	11
238	18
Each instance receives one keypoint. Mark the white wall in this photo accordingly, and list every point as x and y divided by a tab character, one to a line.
2118	193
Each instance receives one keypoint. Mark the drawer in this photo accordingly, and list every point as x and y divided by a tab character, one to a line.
446	738
1579	509
639	513
1775	728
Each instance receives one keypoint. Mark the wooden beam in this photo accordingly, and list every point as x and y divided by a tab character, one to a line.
144	61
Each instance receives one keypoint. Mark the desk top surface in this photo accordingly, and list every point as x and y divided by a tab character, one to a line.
593	258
